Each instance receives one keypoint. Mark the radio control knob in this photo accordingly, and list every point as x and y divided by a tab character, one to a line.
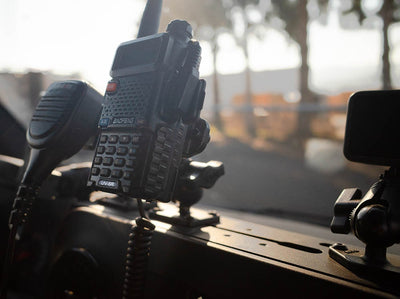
347	201
179	27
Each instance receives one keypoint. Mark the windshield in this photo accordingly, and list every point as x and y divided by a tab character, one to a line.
279	74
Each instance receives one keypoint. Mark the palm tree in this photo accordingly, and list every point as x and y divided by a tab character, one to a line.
238	9
295	16
389	12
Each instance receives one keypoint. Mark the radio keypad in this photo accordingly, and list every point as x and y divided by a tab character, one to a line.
103	139
132	151
112	139
130	163
110	150
125	139
105	172
115	161
108	161
116	173
119	162
101	149
122	150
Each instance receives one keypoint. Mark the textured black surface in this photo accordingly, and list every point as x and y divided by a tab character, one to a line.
165	160
55	107
131	98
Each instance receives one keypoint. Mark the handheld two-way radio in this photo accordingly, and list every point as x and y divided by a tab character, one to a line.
150	119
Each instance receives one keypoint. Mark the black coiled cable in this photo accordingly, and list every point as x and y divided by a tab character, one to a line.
19	215
137	256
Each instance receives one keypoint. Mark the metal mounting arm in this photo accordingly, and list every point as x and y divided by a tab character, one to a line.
193	177
374	219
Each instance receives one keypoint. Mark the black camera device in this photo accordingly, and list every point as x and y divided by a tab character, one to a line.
372	137
372	128
150	119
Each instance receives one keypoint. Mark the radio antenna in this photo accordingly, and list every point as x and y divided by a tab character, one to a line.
151	18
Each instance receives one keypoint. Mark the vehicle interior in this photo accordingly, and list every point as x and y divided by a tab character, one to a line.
200	149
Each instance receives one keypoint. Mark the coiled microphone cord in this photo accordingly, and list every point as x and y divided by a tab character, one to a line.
19	215
137	256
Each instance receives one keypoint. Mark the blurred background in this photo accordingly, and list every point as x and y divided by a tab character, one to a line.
279	74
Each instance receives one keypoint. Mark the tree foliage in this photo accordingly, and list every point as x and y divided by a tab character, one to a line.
389	12
199	13
290	12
